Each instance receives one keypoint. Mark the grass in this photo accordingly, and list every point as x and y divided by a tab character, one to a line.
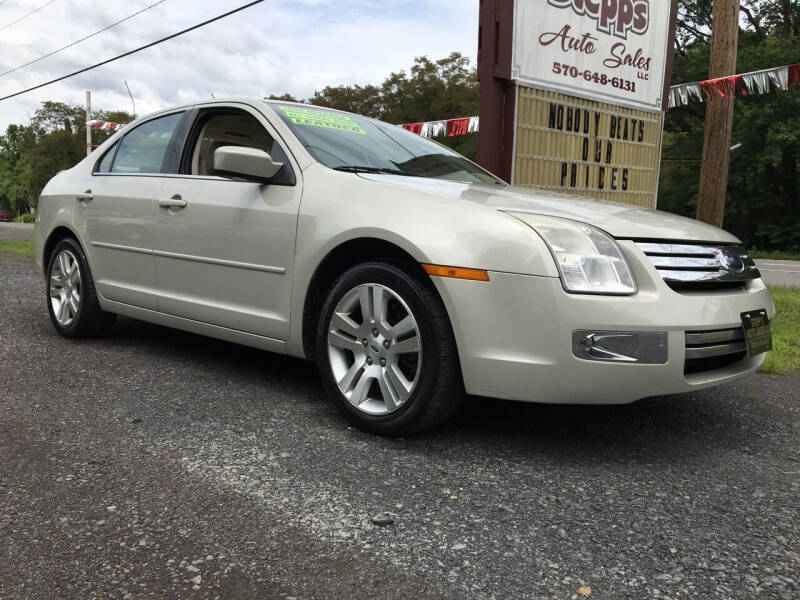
785	355
20	248
773	255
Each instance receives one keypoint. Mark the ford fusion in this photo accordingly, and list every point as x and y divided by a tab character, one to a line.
408	273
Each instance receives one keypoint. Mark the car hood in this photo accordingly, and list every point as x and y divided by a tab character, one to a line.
620	220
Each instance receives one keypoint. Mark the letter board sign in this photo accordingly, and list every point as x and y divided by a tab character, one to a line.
585	147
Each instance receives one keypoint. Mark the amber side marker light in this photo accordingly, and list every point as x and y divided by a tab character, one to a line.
456	272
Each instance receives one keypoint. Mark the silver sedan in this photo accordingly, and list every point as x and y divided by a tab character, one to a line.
408	273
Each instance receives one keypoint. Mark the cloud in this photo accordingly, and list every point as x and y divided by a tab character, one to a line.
295	46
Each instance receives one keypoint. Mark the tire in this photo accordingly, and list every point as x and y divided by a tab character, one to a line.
367	361
72	301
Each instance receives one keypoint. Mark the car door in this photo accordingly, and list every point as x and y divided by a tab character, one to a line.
223	248
115	211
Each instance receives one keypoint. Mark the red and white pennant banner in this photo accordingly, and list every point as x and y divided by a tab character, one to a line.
746	84
107	126
450	127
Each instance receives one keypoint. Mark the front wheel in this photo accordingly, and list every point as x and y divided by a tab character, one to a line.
386	351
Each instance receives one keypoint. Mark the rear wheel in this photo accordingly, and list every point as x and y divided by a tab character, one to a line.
386	351
71	296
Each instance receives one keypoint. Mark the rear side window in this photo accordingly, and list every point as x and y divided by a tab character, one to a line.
143	149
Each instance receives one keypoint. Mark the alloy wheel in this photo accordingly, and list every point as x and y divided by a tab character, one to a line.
65	287
374	348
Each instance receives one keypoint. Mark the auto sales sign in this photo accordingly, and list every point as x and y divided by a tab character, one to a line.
609	50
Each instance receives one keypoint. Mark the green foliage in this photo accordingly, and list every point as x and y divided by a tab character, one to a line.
25	218
773	255
54	140
283	97
763	198
430	91
785	355
365	100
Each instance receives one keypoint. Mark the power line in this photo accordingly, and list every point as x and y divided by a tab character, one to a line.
139	49
25	16
83	39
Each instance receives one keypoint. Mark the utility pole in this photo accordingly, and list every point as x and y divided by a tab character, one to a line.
88	125
719	114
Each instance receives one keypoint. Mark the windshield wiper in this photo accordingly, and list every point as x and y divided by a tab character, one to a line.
360	169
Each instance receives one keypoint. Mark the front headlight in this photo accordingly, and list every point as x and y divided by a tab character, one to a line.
590	262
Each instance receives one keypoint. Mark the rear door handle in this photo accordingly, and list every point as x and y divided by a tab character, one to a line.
175	202
85	196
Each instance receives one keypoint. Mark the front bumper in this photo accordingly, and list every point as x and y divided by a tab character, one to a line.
514	336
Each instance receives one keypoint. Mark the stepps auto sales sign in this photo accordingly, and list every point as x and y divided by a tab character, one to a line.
609	50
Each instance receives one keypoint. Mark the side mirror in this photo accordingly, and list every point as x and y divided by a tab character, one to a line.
251	164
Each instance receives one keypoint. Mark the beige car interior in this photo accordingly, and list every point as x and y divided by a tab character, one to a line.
227	130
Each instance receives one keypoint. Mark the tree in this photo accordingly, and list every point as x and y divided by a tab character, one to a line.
365	100
283	97
15	148
53	141
431	91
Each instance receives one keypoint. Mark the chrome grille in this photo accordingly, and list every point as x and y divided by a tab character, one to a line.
700	266
708	350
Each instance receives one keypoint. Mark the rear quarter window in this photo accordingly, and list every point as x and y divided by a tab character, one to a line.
104	166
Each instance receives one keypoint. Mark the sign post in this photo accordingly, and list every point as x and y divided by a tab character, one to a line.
88	127
582	86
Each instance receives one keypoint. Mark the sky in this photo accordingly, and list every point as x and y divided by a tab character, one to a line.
278	46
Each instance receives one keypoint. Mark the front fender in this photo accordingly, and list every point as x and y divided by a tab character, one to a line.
340	207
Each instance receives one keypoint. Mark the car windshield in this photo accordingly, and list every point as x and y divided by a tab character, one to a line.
347	142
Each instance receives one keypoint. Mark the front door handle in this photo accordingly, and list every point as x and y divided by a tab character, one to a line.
175	202
85	196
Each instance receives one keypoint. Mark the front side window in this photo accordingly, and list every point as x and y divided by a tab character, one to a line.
348	142
143	149
227	129
235	128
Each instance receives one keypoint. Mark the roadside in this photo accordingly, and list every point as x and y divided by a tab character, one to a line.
16	231
780	272
18	248
774	255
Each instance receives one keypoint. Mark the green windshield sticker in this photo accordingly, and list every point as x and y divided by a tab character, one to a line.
322	118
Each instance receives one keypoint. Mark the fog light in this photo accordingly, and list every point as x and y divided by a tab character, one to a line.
643	347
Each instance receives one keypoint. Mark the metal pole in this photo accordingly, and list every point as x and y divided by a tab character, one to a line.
88	125
132	101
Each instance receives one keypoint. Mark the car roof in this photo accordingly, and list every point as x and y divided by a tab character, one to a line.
247	100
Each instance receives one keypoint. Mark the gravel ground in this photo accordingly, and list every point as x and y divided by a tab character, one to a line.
155	464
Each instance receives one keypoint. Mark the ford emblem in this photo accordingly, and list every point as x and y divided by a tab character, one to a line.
730	260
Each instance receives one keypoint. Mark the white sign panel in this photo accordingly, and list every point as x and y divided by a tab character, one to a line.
609	50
